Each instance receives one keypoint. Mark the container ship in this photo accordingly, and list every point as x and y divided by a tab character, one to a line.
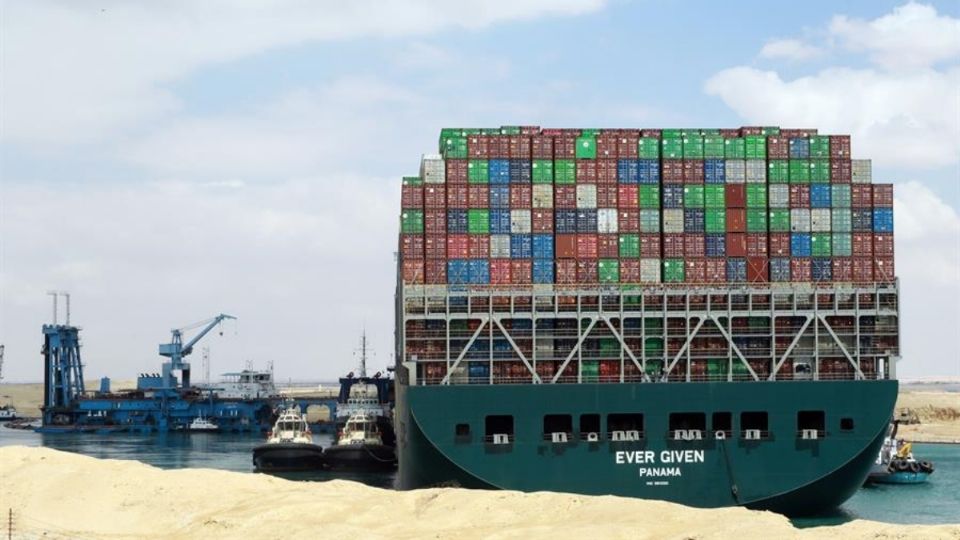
703	316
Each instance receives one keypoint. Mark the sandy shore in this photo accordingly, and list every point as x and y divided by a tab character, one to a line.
75	496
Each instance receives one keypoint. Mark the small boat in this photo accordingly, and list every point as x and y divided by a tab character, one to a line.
360	447
896	464
289	446
202	424
7	413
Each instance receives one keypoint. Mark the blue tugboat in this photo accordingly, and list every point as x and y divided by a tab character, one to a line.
896	465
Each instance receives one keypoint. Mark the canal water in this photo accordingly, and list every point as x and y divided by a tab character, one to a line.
937	501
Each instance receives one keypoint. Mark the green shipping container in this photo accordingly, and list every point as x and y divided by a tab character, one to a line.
734	148
653	346
820	147
757	196
411	222
671	133
779	220
716	221
478	221
756	146
715	196
608	270
455	147
609	347
840	196
648	148
799	171
757	220
841	219
589	370
673	270
672	147
778	171
589	132
820	245
412	181
653	326
693	146
478	171
586	147
693	196
770	130
713	147
490	131
509	130
629	246
649	196
542	171
565	171
842	245
820	171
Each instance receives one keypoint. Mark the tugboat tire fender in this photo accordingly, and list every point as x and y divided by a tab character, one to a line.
900	465
926	466
914	466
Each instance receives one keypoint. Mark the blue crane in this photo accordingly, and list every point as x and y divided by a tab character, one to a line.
176	350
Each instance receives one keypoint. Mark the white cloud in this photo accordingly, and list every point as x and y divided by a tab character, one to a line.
790	49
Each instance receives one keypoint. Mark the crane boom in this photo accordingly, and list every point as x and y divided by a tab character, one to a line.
176	350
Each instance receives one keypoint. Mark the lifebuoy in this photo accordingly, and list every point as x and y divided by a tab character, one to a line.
914	467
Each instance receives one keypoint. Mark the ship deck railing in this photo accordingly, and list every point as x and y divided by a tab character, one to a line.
651	379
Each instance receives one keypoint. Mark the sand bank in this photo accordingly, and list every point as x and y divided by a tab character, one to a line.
81	497
939	414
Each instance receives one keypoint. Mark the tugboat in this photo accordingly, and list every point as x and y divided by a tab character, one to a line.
202	424
289	446
360	447
7	413
896	464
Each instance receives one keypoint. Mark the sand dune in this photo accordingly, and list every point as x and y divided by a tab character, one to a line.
68	495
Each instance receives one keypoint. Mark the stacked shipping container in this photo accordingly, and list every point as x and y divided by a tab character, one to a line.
524	205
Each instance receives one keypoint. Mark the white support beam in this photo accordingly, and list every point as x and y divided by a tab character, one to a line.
686	344
463	353
626	349
536	378
734	347
583	336
840	344
793	344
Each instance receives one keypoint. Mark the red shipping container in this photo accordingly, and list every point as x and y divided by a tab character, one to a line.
435	246
564	147
587	271
435	221
566	246
839	147
458	246
520	147
751	130
478	196
791	133
457	196
434	197
693	245
693	172
672	246
500	271
542	221
695	271
607	196
671	170
736	220
413	272
799	196
779	244
607	146
541	147
862	269
778	147
758	269
566	271
729	133
479	246
842	269
862	245
629	271
628	196
757	244
499	147
800	269
716	270
840	171
411	197
736	245
411	246
520	271
521	196
608	246
565	197
587	247
627	146
628	221
586	171
607	171
861	195
883	195
883	270
883	245
436	272
456	171
736	195
529	130
650	246
655	133
478	146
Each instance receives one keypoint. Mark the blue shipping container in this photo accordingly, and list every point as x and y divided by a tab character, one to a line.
648	171
820	196
521	246
799	148
628	171
499	222
586	221
693	220
458	271
457	221
883	220
779	269
502	349
565	221
862	220
716	245
499	171
543	246
715	171
672	195
800	244
542	273
478	371
479	271
822	269
499	196
520	171
736	270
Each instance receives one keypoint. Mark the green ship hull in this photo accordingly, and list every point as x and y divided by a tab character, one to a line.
444	439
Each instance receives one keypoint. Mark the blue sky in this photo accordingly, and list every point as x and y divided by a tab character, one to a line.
167	162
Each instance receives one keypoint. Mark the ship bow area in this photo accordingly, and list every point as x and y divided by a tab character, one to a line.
446	439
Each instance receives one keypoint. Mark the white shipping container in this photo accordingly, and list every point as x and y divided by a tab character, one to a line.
735	171
544	348
650	270
820	220
520	221
543	196
778	195
586	196
607	220
800	220
673	220
432	169
756	171
650	221
499	246
861	171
